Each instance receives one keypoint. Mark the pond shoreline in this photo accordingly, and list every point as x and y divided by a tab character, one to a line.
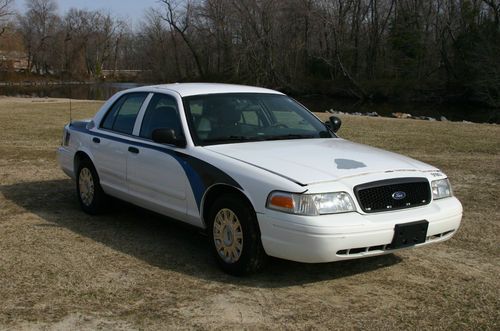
5	100
43	83
91	90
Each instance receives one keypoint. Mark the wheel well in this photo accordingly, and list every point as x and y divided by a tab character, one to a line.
79	157
218	190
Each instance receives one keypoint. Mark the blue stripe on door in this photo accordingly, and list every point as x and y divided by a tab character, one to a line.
201	175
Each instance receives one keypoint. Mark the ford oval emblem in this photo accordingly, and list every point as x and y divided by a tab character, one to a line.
399	195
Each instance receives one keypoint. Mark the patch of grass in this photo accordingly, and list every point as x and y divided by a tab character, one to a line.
62	269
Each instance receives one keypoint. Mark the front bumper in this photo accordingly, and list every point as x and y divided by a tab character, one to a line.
347	236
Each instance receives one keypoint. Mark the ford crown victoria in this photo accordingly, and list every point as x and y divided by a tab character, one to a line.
259	172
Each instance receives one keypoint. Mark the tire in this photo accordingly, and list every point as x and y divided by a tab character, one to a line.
88	189
235	236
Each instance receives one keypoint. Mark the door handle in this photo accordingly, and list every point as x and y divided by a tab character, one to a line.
96	140
133	150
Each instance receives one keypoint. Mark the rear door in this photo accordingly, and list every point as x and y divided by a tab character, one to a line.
109	146
155	175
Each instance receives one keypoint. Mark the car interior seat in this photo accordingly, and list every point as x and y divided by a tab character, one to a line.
220	118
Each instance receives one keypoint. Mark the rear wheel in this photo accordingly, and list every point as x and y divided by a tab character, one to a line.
90	194
235	237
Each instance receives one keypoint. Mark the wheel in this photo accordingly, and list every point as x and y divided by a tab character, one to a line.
235	236
90	194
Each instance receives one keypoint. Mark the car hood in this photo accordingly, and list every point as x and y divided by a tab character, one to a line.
310	161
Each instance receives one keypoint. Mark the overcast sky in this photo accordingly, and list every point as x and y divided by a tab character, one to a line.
132	9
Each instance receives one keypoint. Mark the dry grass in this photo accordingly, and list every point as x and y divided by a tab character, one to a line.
130	269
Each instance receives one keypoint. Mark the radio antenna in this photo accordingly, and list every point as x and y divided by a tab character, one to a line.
68	38
70	106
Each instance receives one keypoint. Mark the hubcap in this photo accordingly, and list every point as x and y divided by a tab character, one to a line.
86	185
228	235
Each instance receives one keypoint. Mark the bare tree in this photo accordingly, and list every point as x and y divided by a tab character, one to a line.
92	41
5	13
360	48
38	26
495	9
180	19
158	48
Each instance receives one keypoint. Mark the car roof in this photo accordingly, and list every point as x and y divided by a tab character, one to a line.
190	89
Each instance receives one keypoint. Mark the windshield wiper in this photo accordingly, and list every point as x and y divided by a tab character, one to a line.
290	136
230	138
327	134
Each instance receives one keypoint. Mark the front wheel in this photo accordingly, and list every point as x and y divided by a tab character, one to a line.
235	236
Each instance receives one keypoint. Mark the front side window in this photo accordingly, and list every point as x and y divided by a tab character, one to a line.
162	113
122	115
235	117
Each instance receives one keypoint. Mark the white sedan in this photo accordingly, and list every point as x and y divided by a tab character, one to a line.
259	172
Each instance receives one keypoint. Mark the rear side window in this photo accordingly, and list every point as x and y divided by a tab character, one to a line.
122	115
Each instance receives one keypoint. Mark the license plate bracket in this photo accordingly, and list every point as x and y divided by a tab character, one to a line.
409	234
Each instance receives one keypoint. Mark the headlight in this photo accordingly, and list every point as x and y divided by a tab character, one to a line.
441	189
311	204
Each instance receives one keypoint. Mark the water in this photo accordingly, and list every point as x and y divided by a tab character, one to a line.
455	112
102	91
94	91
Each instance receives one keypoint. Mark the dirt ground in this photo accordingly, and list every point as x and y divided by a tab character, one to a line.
130	269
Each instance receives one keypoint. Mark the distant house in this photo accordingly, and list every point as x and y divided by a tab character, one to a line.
13	61
122	74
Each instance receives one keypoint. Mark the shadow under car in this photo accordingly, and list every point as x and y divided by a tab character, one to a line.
164	242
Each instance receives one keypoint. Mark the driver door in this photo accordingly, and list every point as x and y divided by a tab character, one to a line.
154	174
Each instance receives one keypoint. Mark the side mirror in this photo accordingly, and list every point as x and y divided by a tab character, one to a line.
168	136
334	123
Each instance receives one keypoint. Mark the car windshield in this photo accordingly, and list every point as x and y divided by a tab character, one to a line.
236	117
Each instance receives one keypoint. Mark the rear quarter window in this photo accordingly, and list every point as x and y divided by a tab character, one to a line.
122	115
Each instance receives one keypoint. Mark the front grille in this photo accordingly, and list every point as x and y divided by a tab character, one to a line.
391	194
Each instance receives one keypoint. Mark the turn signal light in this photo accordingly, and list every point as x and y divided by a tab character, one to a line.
282	201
